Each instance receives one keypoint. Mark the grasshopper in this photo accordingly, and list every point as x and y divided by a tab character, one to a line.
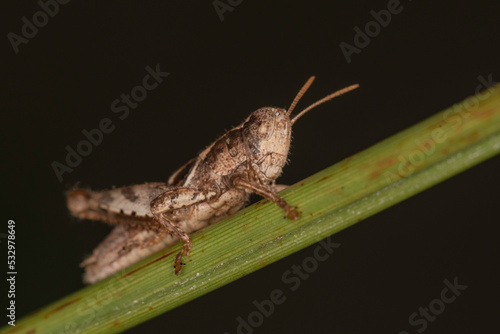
217	183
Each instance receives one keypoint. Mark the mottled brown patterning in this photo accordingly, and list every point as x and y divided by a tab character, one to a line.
217	183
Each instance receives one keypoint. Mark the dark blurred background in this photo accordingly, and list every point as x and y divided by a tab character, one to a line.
429	56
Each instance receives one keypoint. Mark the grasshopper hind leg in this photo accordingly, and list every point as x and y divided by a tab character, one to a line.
124	246
170	204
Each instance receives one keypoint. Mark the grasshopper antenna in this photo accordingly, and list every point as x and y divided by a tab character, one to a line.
317	103
300	94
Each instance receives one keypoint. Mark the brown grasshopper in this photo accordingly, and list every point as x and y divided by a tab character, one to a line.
217	183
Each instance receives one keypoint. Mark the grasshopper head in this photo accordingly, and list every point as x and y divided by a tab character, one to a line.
267	132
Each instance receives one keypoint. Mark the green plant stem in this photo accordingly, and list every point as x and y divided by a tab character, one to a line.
331	200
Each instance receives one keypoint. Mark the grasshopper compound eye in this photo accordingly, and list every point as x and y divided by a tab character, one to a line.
260	125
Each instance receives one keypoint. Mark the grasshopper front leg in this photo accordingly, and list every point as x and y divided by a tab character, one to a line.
255	187
170	201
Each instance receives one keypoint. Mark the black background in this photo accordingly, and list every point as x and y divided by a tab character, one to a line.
427	58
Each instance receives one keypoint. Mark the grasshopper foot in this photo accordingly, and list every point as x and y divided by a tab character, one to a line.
292	213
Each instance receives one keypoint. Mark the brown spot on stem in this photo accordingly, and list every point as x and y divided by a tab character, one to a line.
31	331
116	323
324	178
472	137
16	329
60	307
484	114
375	174
384	163
147	264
